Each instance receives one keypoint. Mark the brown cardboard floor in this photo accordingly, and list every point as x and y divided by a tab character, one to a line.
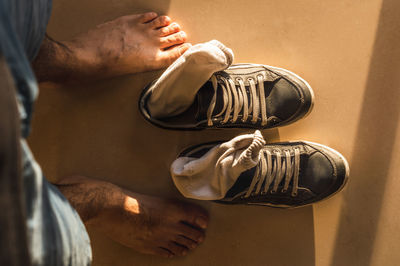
348	50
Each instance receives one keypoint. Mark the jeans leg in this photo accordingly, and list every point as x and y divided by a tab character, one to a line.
13	238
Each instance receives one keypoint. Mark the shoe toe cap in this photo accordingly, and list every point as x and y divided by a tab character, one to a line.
284	100
318	175
325	173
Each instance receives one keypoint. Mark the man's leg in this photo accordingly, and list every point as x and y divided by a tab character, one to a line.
13	239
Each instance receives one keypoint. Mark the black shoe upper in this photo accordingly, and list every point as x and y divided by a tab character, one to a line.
322	173
287	97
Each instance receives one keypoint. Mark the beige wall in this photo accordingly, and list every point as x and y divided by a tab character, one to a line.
348	50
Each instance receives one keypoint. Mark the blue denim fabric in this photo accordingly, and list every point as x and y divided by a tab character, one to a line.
56	235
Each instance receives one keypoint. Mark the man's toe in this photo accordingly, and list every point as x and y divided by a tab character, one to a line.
163	252
192	233
169	55
147	17
173	39
159	22
170	29
186	242
196	216
176	249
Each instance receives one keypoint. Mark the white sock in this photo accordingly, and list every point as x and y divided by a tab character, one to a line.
176	89
212	175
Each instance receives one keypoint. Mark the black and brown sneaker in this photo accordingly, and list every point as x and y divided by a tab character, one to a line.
288	175
242	96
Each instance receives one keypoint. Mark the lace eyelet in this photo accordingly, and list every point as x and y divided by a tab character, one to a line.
284	190
294	194
260	76
263	193
272	191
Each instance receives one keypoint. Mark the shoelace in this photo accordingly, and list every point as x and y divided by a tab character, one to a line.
282	167
240	101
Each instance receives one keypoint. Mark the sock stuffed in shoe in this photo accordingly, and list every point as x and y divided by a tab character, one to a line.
176	89
212	175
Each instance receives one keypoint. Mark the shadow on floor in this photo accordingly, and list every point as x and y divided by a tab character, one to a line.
73	17
373	145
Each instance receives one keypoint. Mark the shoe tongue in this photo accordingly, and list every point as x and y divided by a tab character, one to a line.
204	97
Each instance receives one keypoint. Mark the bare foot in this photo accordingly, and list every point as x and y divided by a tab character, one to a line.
156	226
134	43
147	224
126	45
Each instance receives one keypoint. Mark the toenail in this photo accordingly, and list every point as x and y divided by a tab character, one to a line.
184	253
201	239
201	222
193	245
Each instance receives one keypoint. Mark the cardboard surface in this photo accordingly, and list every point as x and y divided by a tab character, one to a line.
349	51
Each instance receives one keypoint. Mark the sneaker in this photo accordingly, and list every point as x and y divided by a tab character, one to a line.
242	96
287	175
